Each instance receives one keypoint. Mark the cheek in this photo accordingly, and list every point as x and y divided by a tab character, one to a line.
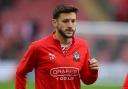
62	26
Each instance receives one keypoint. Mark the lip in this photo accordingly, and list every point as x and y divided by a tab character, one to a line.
68	32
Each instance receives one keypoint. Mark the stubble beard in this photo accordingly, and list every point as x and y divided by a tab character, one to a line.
64	35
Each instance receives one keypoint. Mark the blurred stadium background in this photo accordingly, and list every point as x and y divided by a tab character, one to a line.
104	23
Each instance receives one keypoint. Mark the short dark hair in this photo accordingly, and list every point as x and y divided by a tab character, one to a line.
63	9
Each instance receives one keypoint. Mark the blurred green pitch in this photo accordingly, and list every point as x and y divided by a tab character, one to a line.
30	85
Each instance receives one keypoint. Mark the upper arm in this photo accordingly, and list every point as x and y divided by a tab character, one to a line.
28	61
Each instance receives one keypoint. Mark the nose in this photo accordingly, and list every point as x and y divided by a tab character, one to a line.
70	24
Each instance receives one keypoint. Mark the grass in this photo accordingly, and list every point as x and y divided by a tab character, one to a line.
101	87
30	85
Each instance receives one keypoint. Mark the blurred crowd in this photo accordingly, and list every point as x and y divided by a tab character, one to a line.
13	42
110	49
24	21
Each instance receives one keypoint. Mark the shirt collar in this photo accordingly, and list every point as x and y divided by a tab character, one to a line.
57	41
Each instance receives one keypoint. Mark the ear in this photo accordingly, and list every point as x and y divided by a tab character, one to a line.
54	22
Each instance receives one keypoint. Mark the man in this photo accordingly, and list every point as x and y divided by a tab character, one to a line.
60	60
126	83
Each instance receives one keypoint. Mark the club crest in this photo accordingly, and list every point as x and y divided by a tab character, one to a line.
76	56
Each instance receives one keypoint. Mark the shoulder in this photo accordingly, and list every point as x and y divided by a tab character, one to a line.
40	43
81	42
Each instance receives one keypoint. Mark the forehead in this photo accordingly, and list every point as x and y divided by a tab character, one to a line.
71	15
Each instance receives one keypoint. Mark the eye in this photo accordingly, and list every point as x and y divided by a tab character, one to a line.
73	20
66	21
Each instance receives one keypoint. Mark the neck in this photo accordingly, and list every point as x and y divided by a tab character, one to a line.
62	39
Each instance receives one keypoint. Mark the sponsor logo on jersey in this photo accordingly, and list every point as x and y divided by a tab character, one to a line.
64	73
51	56
76	56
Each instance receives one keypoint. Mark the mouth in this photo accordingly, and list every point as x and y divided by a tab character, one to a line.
69	31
